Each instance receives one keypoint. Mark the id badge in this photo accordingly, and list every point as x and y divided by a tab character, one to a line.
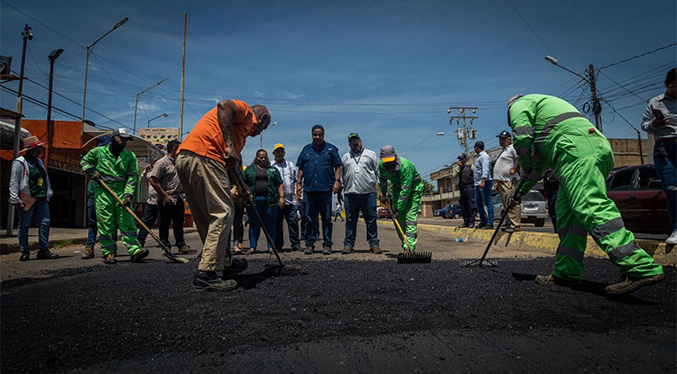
357	169
40	182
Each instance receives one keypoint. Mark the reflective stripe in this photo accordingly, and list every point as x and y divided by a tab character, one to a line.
403	198
410	223
131	174
523	130
109	178
570	252
133	242
622	251
410	235
416	178
551	125
105	237
607	228
128	233
406	187
111	246
573	229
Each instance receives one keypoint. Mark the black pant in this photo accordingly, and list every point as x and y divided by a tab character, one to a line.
171	214
552	200
468	207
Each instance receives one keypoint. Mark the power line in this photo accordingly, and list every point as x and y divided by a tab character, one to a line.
36	20
530	28
638	56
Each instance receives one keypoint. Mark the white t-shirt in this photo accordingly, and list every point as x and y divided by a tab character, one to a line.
506	160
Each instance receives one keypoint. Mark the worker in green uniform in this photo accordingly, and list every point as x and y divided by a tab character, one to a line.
407	189
550	132
117	168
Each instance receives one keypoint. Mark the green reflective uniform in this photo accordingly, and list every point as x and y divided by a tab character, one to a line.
121	175
549	132
407	189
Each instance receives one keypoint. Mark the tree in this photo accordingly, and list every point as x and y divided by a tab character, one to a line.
428	187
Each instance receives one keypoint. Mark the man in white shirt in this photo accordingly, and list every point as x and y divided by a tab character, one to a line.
506	176
289	174
360	175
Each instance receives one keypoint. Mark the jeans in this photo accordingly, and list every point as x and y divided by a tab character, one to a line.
318	203
665	160
268	214
353	203
91	220
291	214
41	209
150	215
171	214
468	205
483	197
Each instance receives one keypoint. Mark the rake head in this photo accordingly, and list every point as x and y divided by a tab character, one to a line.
414	258
483	263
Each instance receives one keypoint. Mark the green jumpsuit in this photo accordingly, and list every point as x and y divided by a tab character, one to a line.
121	175
407	188
549	132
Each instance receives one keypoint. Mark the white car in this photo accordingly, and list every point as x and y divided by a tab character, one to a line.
534	208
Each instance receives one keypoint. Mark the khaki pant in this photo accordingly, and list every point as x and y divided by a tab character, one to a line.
207	190
514	215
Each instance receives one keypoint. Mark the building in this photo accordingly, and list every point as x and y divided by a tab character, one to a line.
626	153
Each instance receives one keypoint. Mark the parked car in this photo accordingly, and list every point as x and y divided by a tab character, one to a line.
383	212
534	208
639	196
442	212
454	212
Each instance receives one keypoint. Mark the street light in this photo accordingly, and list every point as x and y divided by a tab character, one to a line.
52	57
89	50
269	127
555	62
138	96
156	117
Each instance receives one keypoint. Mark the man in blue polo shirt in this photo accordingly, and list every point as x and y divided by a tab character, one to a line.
319	175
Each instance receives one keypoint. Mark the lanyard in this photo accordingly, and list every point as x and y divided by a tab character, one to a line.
352	155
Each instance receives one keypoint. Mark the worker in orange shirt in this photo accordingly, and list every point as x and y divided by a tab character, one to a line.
215	144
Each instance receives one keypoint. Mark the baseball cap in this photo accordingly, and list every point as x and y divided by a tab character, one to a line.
504	134
121	132
387	153
278	145
462	156
353	136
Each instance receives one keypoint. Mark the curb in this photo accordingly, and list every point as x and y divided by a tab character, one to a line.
546	242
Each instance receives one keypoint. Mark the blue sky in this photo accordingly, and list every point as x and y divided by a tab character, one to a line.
388	70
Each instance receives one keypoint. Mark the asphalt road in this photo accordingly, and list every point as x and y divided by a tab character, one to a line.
339	314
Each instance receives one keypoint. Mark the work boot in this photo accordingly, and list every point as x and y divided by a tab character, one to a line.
347	250
237	266
508	230
672	240
376	250
551	279
140	255
628	284
186	249
326	250
88	253
45	254
309	249
482	225
25	256
208	281
109	259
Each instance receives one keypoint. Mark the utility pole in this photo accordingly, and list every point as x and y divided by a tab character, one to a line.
596	107
183	74
466	132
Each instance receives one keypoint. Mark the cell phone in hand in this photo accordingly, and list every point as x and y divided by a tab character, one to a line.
658	114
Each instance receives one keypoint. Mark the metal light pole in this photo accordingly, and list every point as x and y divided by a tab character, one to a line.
52	57
27	35
138	96
89	50
165	115
261	135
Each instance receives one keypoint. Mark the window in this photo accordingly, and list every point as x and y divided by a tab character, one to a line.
646	175
533	196
622	180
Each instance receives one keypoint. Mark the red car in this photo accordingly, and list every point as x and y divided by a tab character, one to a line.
383	212
638	194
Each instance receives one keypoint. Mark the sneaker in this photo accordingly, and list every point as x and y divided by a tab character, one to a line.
326	250
629	284
309	250
45	254
508	230
186	249
140	255
672	240
347	250
551	279
88	253
208	281
25	256
295	248
109	259
376	250
481	225
237	266
487	227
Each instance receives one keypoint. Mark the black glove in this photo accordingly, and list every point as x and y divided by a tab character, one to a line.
514	200
127	201
96	176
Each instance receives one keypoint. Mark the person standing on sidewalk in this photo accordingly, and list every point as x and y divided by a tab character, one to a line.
319	175
210	149
151	212
360	177
466	186
29	182
483	187
290	211
117	167
407	189
550	132
660	119
506	176
165	181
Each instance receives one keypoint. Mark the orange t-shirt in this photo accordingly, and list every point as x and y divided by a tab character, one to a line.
206	138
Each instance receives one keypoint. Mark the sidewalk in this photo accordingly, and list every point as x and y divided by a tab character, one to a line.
58	237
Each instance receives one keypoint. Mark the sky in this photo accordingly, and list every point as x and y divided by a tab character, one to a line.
388	70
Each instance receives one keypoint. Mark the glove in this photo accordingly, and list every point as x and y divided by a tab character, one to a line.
394	216
127	201
514	200
96	176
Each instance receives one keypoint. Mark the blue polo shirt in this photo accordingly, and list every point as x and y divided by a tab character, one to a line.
318	167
